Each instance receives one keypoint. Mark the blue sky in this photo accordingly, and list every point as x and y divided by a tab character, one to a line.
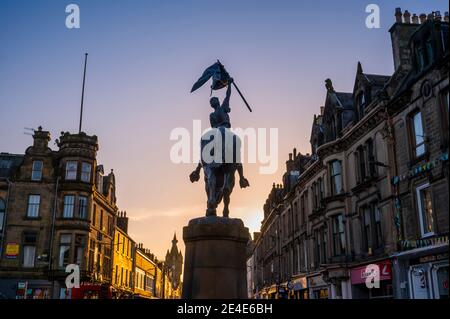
144	57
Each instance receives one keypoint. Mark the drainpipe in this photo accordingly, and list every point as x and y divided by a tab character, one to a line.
50	253
4	216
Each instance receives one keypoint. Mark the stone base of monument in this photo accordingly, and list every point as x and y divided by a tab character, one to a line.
215	258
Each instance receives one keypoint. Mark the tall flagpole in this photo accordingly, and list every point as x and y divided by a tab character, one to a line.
82	92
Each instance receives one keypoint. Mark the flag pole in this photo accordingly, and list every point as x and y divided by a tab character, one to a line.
82	92
237	89
243	98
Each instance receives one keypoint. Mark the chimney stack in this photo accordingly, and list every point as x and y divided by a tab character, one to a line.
446	16
41	138
122	221
437	16
400	35
407	17
398	15
415	19
422	18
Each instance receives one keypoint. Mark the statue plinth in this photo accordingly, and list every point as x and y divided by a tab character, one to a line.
215	258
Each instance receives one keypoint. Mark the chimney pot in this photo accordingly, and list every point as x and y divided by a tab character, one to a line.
322	108
430	16
290	156
398	15
437	16
446	16
415	19
407	17
295	153
422	17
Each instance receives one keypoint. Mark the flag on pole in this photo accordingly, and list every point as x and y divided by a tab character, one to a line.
219	75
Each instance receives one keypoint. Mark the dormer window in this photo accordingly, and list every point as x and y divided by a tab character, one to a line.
424	52
100	182
71	170
36	173
361	105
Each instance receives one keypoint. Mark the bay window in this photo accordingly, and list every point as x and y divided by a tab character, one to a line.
64	250
69	204
71	170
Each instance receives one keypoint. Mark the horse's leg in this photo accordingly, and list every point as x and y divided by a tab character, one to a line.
227	190
210	185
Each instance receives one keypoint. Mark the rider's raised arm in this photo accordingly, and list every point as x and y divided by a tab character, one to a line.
226	100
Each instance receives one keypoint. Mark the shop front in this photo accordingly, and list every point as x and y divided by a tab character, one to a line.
318	288
339	282
88	291
423	272
25	288
372	281
299	288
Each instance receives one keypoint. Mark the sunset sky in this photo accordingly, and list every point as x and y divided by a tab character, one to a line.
144	57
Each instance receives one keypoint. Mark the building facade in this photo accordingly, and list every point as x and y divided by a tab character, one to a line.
59	209
145	273
372	198
123	270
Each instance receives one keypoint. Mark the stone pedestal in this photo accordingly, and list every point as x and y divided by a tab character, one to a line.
215	258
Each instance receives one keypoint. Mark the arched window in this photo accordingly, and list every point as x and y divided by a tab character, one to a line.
2	213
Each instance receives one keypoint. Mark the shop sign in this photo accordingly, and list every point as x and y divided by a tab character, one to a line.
316	281
300	283
381	271
12	250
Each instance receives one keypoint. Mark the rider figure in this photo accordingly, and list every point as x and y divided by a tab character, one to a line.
220	183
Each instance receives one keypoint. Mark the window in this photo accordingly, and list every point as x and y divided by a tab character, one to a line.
91	254
336	177
29	250
367	217
36	172
318	247
378	232
80	243
360	164
100	182
324	245
117	275
338	235
361	105
320	181
86	172
69	203
101	219
82	207
370	158
418	138
33	206
420	56
94	214
2	213
71	170
64	250
107	262
444	110
425	209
